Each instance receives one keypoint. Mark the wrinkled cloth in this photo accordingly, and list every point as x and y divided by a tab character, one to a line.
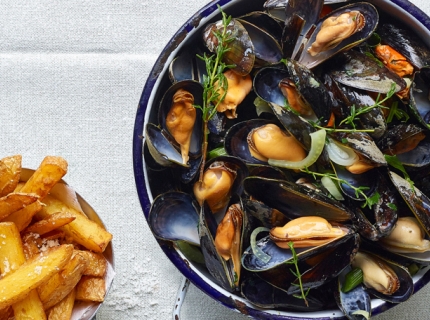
72	73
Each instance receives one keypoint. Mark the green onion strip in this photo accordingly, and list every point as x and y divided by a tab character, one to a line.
317	146
264	257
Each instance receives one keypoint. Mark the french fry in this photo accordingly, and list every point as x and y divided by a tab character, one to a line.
51	223
82	230
10	172
6	313
14	202
31	243
97	264
63	309
91	289
49	172
22	218
57	287
11	258
18	284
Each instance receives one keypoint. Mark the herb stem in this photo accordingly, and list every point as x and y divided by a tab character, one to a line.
297	273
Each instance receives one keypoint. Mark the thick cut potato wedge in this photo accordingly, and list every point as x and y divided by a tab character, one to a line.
50	171
56	288
11	258
22	218
82	230
91	289
63	309
97	264
14	202
51	223
10	172
18	284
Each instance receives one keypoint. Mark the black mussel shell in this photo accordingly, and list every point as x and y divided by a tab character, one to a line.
173	216
266	48
405	42
268	217
417	201
352	301
295	200
419	102
371	17
265	22
196	89
266	296
357	70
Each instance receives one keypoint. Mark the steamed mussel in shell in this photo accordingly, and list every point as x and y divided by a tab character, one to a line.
372	159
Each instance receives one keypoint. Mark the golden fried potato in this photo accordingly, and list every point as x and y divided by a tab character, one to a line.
63	309
18	284
91	289
82	230
6	313
97	264
10	172
50	171
58	286
14	202
51	223
22	218
31	243
11	258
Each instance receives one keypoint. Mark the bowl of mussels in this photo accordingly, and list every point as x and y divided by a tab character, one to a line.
281	155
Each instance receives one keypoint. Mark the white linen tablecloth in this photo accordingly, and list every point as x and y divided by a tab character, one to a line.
72	73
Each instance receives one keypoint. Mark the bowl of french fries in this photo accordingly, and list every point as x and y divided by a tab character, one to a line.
56	257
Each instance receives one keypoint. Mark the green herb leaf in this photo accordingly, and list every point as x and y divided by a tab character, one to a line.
297	274
395	162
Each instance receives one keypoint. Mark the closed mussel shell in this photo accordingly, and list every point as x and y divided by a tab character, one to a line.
295	200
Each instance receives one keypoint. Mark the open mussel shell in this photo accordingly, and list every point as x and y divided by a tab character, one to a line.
318	264
235	141
264	295
406	287
173	216
300	17
295	200
161	146
352	301
221	269
417	201
418	157
357	70
241	49
405	42
371	18
187	66
196	89
266	48
266	22
311	89
400	138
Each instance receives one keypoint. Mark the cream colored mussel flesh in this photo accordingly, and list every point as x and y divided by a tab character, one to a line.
406	237
270	142
377	274
180	120
228	237
305	232
215	186
238	88
336	29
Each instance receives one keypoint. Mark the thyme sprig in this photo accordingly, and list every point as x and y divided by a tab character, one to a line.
214	81
359	191
297	274
355	113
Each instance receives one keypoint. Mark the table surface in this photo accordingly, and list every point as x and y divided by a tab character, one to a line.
72	73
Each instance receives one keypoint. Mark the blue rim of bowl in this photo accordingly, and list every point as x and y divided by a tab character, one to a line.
140	181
